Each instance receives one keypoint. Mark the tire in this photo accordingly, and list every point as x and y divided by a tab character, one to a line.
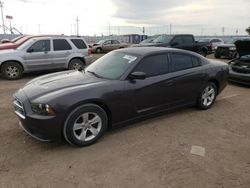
217	56
78	129
98	50
207	96
12	71
203	53
76	64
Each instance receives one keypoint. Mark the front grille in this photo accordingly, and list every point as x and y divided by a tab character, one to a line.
19	109
241	69
222	50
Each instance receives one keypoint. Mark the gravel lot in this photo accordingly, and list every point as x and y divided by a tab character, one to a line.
151	153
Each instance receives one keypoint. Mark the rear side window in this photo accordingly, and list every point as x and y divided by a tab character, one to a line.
115	42
180	62
196	62
153	65
40	46
61	44
79	43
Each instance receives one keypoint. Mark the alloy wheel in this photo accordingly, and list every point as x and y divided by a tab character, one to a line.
12	71
87	126
208	96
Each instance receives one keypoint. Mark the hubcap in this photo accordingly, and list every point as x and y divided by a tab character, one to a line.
77	66
12	71
87	126
208	96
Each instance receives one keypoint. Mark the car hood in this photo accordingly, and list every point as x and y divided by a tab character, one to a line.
58	82
9	51
226	45
148	44
243	47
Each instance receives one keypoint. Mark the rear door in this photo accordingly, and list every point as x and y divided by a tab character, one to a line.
62	51
188	77
38	56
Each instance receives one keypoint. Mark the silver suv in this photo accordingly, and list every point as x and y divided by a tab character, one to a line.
45	53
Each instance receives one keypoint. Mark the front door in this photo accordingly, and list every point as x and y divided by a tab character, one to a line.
38	56
151	93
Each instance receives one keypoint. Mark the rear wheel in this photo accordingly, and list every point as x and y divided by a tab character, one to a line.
203	53
76	64
12	70
207	96
98	50
85	125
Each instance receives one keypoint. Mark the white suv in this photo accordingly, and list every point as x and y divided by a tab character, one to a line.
45	53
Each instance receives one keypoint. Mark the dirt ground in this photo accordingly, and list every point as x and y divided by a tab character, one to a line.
151	153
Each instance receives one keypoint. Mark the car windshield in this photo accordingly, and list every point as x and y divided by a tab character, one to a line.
163	39
26	44
112	66
100	42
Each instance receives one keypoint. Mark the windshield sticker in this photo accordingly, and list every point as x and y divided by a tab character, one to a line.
130	58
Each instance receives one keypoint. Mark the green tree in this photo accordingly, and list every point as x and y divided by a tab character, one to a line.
248	30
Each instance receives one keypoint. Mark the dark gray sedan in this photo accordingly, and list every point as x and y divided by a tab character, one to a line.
122	86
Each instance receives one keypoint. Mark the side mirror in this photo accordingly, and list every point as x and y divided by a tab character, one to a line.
30	50
175	44
137	75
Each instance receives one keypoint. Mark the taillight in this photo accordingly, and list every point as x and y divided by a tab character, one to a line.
89	51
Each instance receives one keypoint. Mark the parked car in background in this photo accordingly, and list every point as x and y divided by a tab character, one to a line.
212	43
240	66
107	45
228	50
45	53
181	41
12	40
121	86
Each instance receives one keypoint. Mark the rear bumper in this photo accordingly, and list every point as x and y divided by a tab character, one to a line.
88	60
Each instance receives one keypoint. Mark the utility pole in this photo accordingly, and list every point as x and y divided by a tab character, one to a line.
77	26
109	28
1	6
170	29
223	31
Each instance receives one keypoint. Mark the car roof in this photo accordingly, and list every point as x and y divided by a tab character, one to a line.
143	51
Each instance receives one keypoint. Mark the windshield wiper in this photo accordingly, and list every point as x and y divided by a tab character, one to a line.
97	75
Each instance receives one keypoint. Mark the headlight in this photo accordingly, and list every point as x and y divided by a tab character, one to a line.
43	109
232	48
215	47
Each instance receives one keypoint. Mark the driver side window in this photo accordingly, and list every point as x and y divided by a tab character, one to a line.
40	46
153	65
107	42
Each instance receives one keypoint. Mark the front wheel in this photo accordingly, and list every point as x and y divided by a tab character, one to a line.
207	96
12	70
85	125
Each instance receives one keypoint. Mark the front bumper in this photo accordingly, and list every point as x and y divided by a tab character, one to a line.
43	128
239	78
225	53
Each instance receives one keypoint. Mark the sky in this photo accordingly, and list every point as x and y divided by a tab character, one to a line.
199	17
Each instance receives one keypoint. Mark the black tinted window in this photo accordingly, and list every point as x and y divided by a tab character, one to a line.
181	62
61	44
79	43
177	40
40	46
153	65
196	62
188	40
